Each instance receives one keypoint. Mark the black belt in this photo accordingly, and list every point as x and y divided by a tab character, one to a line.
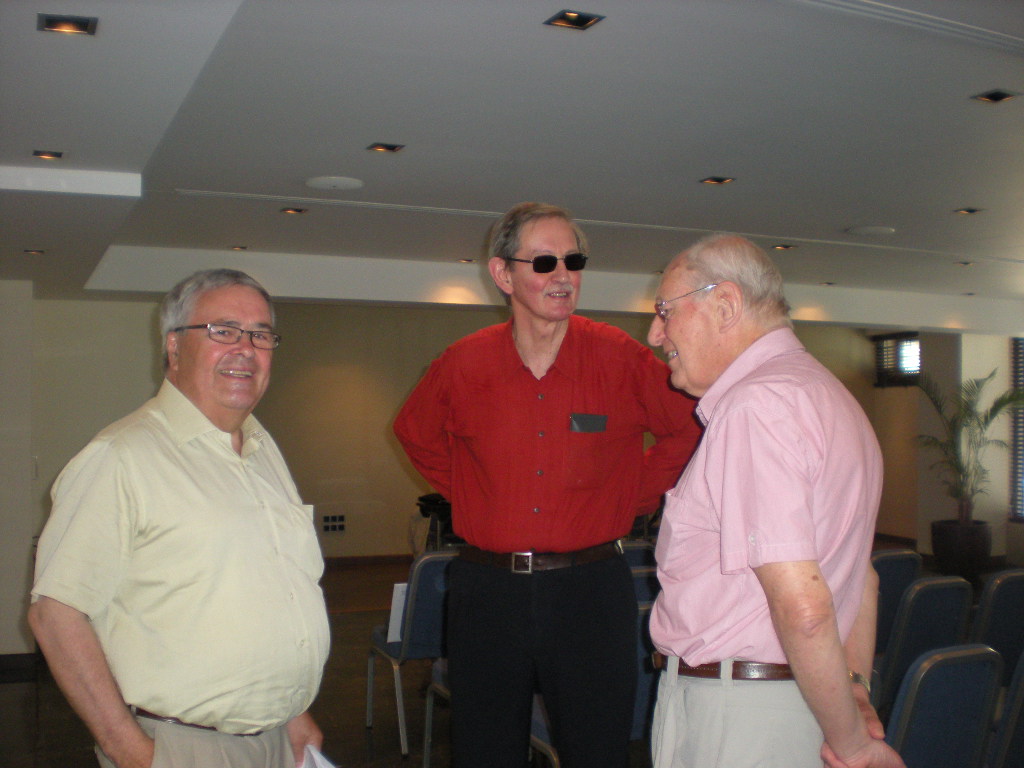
140	712
528	562
741	670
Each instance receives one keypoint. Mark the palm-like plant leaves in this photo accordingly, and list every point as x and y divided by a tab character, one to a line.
965	439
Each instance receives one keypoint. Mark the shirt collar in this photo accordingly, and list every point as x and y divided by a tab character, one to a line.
772	344
567	351
186	422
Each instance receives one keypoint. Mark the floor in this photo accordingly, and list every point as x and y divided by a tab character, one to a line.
39	730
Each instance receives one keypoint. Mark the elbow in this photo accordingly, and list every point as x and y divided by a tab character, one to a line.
811	618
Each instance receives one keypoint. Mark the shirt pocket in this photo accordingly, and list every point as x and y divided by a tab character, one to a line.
594	459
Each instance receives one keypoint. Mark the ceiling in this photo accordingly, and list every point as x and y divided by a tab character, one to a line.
188	125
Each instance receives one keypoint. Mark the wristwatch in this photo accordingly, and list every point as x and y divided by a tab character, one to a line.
858	679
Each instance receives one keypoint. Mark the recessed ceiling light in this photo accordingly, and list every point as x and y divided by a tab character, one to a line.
968	293
995	96
968	211
239	247
382	147
33	252
783	247
717	180
333	182
871	230
964	263
294	210
47	154
827	283
573	20
69	25
467	261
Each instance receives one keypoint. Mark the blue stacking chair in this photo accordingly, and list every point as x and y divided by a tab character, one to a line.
942	714
897	569
645	583
1008	745
638	553
999	621
422	635
933	613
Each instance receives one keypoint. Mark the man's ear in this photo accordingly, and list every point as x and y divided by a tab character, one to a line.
171	345
500	274
729	305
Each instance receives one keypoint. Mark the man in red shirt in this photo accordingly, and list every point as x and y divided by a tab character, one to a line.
534	430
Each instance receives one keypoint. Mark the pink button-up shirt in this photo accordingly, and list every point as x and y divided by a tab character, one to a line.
788	469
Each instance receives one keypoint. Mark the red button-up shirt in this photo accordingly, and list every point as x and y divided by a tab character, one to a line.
552	464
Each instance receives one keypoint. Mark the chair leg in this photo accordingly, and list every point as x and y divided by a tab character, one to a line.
369	690
428	727
400	704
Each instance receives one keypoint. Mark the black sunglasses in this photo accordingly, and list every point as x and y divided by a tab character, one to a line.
574	262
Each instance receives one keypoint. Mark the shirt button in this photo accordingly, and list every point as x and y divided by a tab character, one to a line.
540	434
540	396
540	472
536	510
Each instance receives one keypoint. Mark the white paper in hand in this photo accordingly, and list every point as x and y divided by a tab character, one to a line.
314	759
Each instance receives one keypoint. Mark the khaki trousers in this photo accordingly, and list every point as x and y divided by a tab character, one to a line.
725	723
179	746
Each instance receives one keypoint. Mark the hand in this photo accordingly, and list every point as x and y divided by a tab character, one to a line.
874	725
877	754
303	730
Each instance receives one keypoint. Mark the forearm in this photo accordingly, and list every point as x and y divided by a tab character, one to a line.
80	668
860	645
303	730
804	619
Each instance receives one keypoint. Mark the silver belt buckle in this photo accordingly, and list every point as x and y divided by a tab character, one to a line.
522	562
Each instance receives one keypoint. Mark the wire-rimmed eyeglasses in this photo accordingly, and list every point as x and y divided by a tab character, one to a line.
547	262
661	307
230	334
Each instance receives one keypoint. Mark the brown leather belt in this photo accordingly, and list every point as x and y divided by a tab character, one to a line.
741	670
140	712
528	562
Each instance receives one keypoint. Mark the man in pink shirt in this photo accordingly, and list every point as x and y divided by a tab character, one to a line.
767	616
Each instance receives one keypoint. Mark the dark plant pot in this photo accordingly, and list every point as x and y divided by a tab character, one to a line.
962	549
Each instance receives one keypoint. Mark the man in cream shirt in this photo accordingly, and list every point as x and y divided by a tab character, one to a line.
176	597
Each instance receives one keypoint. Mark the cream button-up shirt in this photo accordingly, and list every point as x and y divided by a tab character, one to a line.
199	568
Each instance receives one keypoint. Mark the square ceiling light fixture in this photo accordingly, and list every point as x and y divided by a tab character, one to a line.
573	20
69	25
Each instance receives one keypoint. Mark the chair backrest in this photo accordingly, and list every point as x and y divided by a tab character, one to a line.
424	618
638	553
942	715
1008	744
645	583
999	621
932	614
897	569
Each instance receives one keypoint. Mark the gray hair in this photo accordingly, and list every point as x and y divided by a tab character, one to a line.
178	304
505	235
731	258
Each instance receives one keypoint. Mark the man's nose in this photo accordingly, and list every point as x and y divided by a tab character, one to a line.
656	335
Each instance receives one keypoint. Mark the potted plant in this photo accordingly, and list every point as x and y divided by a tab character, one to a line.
964	545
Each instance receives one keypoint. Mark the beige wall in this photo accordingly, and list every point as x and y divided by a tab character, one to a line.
339	378
16	466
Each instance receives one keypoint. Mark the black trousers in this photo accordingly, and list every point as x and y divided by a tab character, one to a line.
569	633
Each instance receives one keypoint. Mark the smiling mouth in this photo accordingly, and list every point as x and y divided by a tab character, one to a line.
239	374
